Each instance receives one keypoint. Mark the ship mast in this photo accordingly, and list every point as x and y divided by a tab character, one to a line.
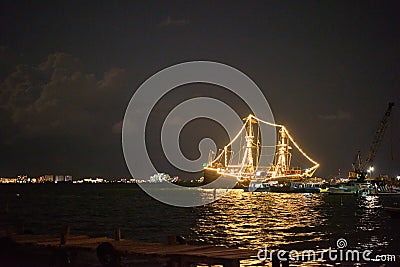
248	158
283	156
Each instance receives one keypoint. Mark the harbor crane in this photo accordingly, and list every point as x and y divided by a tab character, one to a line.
359	166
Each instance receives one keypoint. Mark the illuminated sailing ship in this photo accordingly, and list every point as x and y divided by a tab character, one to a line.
248	168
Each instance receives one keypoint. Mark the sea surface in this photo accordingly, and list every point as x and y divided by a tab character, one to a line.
240	219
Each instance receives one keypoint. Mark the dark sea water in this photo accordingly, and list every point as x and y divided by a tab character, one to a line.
240	219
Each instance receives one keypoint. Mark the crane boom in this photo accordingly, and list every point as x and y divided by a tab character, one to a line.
359	170
379	135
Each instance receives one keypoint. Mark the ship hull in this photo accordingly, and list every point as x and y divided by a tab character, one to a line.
275	189
210	175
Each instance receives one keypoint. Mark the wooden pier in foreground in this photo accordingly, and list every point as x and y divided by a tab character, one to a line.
82	250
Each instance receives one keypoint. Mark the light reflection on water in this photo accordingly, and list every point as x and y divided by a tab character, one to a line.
297	221
253	220
240	219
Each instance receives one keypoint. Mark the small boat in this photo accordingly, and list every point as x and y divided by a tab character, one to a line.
352	188
258	187
289	189
294	187
286	186
385	190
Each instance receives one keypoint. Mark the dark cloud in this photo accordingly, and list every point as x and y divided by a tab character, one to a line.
56	97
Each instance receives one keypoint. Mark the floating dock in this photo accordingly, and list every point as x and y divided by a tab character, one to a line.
82	250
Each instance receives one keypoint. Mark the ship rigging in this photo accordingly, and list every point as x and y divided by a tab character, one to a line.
249	167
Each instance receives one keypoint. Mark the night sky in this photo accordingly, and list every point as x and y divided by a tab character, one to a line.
69	69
